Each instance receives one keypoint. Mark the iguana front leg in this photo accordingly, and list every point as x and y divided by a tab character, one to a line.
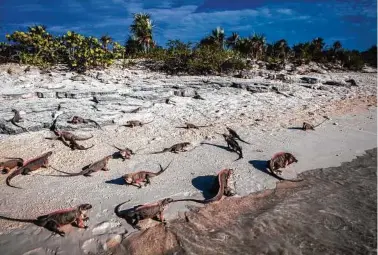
147	181
80	223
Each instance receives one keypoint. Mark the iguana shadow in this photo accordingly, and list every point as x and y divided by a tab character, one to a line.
117	181
204	184
261	165
219	146
295	128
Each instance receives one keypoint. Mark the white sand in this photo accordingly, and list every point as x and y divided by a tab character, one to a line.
329	145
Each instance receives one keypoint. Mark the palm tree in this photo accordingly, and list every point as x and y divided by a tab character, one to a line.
142	30
337	46
281	49
218	36
105	40
232	40
258	45
316	49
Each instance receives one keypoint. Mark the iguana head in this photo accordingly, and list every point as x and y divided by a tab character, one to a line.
85	207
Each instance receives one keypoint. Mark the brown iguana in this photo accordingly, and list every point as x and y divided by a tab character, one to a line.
141	212
190	125
142	176
221	185
124	153
80	120
16	119
134	123
281	160
307	126
66	136
235	135
94	167
8	165
53	221
174	148
31	165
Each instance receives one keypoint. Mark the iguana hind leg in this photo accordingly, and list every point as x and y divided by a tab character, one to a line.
54	227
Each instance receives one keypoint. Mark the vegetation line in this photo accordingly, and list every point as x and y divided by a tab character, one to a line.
214	54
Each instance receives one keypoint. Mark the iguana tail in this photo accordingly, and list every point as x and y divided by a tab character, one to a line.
320	123
98	125
12	175
116	209
14	123
68	174
19	220
163	169
272	173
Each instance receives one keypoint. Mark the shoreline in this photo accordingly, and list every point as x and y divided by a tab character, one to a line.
354	131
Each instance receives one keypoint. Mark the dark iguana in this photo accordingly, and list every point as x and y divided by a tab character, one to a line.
190	125
16	119
135	123
94	167
235	135
233	145
174	148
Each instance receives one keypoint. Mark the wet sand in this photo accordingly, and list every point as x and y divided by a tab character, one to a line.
332	212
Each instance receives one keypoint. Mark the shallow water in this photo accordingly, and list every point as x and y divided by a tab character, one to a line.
332	212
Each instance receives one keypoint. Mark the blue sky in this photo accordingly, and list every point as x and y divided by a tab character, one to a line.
353	22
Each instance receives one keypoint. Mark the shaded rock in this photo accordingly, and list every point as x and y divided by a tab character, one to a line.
239	85
78	78
337	83
185	92
258	88
309	80
352	82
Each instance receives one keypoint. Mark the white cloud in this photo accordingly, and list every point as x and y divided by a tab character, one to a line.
285	11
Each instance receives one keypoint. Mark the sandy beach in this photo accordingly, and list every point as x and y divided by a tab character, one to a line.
251	106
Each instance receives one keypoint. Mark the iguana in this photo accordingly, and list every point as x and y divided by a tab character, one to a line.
233	145
53	221
80	120
281	160
66	137
235	135
141	212
17	118
221	185
94	167
174	148
124	153
8	165
142	176
29	166
190	125
307	126
134	123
